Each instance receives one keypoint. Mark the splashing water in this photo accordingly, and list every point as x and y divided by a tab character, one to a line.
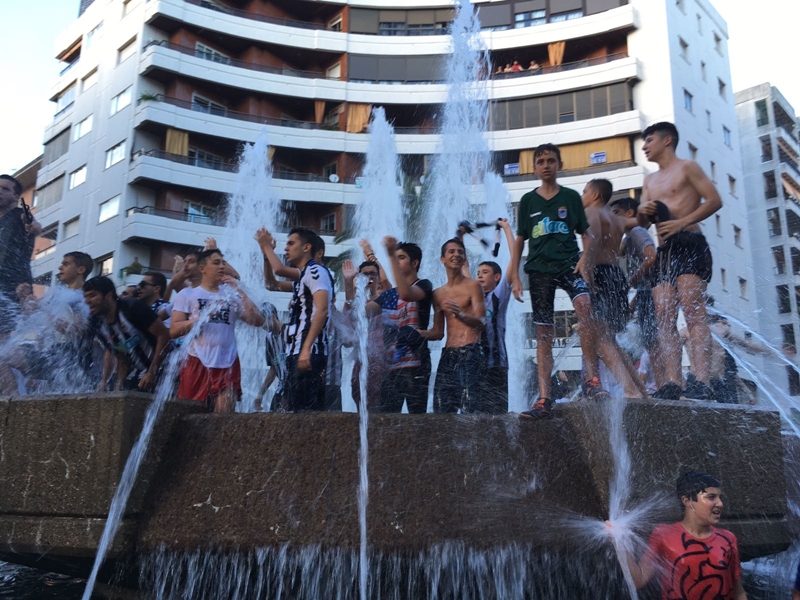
163	392
252	205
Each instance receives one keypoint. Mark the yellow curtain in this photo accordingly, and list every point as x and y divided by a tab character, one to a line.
577	156
526	162
555	52
270	152
358	117
177	142
319	110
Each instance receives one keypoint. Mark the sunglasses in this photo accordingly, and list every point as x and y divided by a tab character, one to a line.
143	284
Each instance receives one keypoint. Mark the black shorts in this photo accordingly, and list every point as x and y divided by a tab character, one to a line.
685	253
543	292
646	317
457	379
610	297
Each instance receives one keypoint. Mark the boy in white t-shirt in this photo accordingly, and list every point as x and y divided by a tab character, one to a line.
211	373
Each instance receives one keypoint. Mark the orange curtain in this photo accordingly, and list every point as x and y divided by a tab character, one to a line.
578	156
526	162
177	142
555	52
319	110
358	117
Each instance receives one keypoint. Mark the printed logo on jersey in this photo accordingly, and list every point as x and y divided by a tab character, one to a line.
222	315
547	227
562	212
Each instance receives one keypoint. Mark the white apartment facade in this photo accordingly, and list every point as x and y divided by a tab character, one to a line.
157	96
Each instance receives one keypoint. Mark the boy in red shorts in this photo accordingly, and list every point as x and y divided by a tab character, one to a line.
211	373
693	559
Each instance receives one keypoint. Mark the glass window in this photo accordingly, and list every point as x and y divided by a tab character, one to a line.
774	222
566	108
787	332
89	80
208	53
203	105
567	16
328	224
717	43
391	28
770	185
762	116
617	97
532	116
743	288
82	128
549	110
530	18
115	154
766	148
49	194
600	102
784	304
732	185
779	257
684	48
583	105
71	227
515	118
708	120
126	51
499	116
56	148
66	99
207	160
77	177
90	37
330	169
722	87
688	101
726	136
105	266
737	236
109	209
121	100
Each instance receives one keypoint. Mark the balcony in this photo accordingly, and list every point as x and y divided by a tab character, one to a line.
245	14
178	216
580	64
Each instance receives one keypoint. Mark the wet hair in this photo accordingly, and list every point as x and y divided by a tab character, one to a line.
664	129
454	240
206	254
414	252
626	204
368	263
542	149
159	280
193	252
493	266
693	482
318	245
101	284
307	236
15	182
82	260
602	187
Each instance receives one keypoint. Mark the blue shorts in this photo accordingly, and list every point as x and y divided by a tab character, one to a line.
543	286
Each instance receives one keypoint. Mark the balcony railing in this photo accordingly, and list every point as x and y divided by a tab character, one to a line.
176	215
571	66
573	172
68	67
255	17
232	167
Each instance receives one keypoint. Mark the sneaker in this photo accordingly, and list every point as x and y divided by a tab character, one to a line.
669	391
593	391
541	409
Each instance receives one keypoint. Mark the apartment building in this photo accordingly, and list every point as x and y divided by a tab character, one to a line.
768	128
156	98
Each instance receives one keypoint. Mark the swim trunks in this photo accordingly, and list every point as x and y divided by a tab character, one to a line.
685	253
460	370
543	292
610	296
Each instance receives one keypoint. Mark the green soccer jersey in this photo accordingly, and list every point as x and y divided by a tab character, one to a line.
550	227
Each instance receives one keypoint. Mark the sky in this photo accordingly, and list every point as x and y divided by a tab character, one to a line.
760	50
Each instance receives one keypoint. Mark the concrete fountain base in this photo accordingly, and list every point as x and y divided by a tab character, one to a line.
249	485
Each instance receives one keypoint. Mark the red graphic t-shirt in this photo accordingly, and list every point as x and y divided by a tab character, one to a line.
693	568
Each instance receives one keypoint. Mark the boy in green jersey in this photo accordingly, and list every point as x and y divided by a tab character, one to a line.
548	218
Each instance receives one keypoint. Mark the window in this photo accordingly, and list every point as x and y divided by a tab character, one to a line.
699	24
66	99
732	185
207	160
679	4
784	304
703	70
77	177
708	120
105	265
108	209
71	227
567	16
762	116
329	170
121	100
743	288
766	148
335	24
199	213
723	278
115	154
203	105
774	222
779	257
684	49
717	43
56	147
126	51
391	28
328	223
334	72
737	236
82	128
49	194
89	38
687	101
713	171
89	81
789	343
726	136
208	53
692	151
770	185
530	19
126	7
723	88
718	220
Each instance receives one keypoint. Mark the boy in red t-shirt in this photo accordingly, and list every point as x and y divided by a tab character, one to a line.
693	559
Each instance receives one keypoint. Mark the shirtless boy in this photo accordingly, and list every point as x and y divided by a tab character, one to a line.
460	304
610	288
683	262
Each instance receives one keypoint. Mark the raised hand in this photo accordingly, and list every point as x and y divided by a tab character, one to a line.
390	243
211	244
264	238
349	270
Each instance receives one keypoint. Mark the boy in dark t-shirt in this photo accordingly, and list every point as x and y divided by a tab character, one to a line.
548	218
